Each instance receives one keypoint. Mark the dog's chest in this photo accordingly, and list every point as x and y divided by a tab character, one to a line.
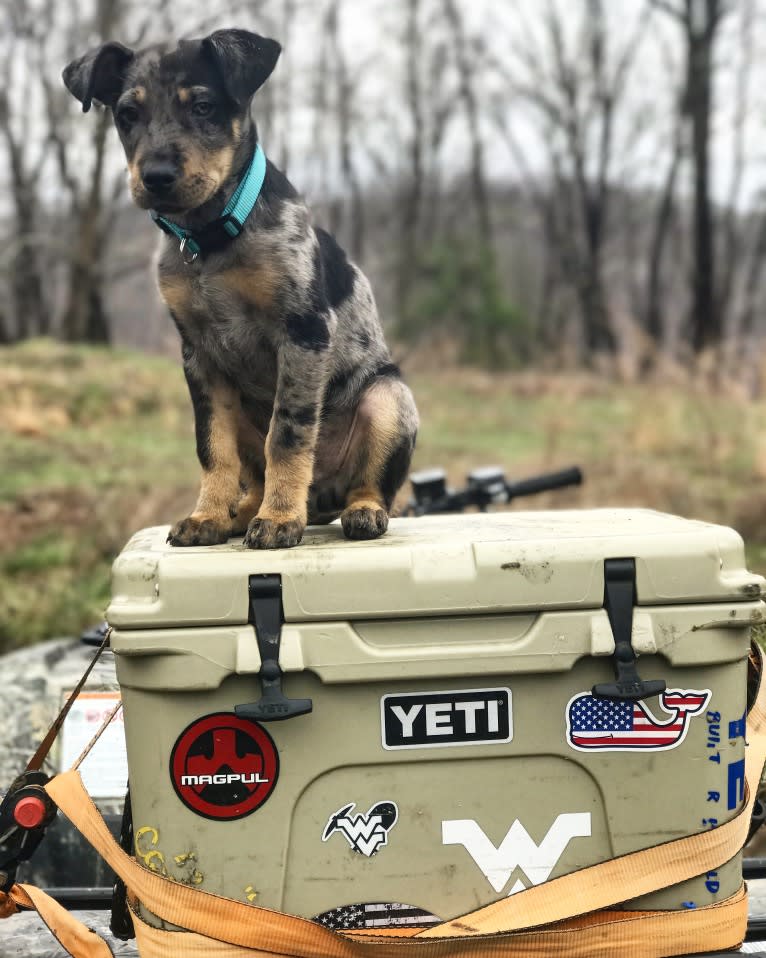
227	315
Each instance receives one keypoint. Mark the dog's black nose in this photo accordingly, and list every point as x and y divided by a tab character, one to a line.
159	177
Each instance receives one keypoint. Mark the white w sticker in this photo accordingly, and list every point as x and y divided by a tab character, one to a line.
517	850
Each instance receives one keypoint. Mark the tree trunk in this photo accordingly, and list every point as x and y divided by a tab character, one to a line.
415	176
706	326
85	318
28	310
654	319
28	293
467	93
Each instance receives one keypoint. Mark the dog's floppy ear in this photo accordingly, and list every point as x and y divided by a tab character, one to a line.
99	75
245	60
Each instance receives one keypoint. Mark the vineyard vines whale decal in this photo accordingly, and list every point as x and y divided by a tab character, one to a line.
605	725
366	833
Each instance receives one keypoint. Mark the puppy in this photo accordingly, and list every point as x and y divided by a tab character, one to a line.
300	414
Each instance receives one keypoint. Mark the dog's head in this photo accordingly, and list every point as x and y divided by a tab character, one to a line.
181	114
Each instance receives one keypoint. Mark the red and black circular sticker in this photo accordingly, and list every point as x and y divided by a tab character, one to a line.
224	767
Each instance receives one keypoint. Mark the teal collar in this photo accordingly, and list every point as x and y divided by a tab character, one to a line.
229	224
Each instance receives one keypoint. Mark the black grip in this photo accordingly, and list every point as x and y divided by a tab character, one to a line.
552	480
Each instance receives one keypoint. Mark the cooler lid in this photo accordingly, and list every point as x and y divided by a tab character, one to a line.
454	565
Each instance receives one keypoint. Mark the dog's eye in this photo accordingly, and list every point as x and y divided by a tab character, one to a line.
202	108
127	116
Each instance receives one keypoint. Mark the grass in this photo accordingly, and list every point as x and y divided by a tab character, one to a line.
95	444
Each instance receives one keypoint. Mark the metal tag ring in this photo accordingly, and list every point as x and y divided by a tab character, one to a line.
188	255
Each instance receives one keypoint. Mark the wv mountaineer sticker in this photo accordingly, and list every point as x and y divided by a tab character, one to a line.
436	719
364	833
517	849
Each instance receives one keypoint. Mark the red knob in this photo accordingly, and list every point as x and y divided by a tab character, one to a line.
29	811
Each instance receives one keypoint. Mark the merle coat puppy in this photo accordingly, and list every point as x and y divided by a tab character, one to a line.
300	414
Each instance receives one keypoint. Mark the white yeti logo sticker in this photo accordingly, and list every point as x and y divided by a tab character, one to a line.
517	849
364	833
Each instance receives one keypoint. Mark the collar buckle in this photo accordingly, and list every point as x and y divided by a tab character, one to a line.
229	224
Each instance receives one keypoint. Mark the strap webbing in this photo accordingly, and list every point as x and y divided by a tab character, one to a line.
223	927
36	762
70	933
653	934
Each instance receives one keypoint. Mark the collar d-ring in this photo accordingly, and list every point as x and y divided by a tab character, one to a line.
187	253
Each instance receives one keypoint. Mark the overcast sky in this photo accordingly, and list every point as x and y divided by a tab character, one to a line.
370	35
502	25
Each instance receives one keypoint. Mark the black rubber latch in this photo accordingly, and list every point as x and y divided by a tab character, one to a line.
619	600
266	615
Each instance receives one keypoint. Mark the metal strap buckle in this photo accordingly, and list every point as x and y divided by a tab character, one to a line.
189	255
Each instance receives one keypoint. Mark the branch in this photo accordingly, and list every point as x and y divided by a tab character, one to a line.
666	7
631	49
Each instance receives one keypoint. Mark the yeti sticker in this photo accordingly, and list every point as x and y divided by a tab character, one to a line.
367	833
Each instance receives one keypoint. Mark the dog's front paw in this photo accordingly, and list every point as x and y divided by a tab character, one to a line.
364	522
198	531
274	534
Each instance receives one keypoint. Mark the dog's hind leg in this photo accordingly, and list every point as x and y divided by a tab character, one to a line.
216	412
387	421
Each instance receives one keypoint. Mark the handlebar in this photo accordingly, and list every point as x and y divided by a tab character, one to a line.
546	482
484	487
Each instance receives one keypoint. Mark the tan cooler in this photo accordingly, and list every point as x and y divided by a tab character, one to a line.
376	733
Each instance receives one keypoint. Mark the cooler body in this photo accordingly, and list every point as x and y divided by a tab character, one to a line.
455	752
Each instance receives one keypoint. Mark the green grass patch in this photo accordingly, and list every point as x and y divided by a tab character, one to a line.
40	555
95	444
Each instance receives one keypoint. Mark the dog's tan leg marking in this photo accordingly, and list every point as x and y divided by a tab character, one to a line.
281	518
365	515
210	522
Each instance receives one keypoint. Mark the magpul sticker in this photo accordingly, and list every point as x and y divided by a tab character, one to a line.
430	719
224	767
595	724
365	833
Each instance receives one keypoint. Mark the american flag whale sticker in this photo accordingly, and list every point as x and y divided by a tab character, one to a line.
605	725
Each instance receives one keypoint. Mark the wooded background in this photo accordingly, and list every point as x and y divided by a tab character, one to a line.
541	181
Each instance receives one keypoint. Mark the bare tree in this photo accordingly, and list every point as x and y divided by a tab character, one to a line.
345	106
30	314
663	218
733	235
96	197
699	22
467	53
414	173
575	95
289	11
